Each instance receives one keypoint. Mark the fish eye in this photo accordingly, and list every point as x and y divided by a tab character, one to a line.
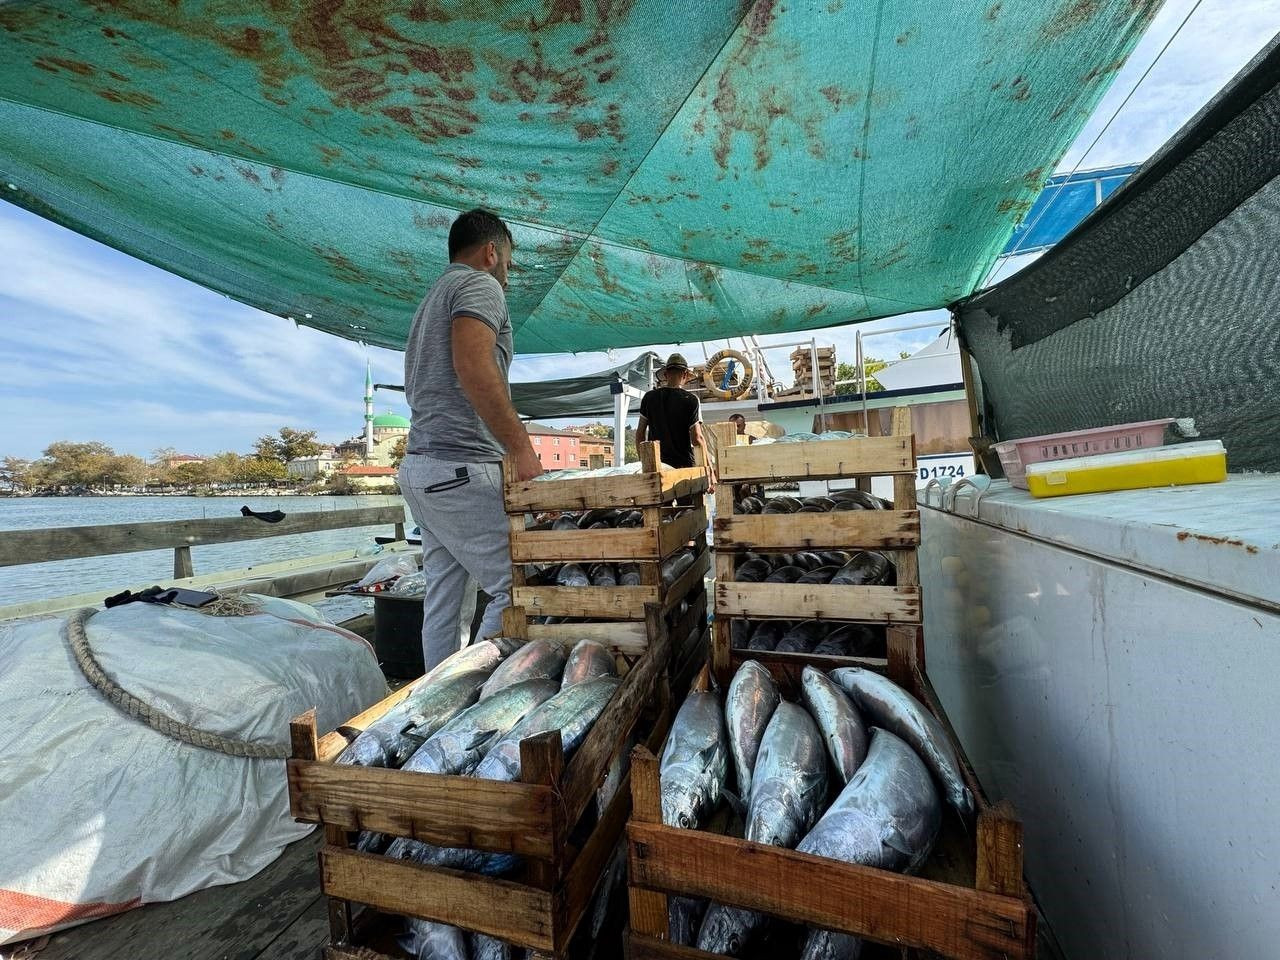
683	820
734	944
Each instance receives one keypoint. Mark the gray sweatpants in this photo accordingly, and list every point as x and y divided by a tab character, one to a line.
458	507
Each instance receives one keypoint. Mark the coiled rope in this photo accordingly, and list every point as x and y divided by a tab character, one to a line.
153	716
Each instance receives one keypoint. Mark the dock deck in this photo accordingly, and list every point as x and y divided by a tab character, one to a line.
277	915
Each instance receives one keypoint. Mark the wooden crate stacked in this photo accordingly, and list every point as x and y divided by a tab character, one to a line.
618	612
541	907
895	532
969	901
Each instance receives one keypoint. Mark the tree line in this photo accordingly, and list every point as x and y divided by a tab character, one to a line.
71	466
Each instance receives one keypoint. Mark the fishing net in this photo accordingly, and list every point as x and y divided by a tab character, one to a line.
1163	302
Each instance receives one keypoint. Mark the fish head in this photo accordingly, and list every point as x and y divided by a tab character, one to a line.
770	821
679	807
726	930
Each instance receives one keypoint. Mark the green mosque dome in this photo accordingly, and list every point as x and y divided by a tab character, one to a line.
391	420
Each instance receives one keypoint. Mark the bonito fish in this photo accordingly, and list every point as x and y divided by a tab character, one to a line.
842	728
587	660
749	703
883	703
695	762
788	789
536	660
391	739
887	816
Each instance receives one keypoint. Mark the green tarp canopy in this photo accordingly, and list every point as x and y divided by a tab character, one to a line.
586	396
673	171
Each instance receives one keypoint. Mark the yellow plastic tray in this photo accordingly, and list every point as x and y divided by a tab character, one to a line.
1204	462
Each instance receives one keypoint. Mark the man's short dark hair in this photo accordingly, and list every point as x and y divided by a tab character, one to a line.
476	227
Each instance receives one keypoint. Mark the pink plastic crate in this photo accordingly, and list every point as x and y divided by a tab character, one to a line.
1015	455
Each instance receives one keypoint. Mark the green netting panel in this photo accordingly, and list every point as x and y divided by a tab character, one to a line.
675	171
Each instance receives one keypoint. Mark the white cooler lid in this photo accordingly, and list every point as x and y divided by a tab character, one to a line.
1224	536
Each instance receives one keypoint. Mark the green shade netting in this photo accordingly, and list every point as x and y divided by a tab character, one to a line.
673	171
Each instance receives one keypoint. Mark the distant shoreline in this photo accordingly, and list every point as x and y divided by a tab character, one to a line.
197	492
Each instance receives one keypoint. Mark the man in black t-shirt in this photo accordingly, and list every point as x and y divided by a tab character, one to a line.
672	415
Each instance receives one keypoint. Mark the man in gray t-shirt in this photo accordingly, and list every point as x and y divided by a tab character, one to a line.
462	424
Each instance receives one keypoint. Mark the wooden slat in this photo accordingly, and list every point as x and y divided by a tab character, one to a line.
684	584
626	637
841	530
819	459
584	877
683	482
678	532
1000	851
607	603
635	543
302	736
797	601
957	922
641	947
449	811
648	907
510	911
542	762
587	768
584	493
65	543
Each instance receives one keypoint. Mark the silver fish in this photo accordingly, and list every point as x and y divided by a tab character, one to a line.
885	704
572	575
838	720
830	945
603	575
427	940
565	522
695	762
536	660
684	917
392	738
887	816
587	660
458	746
629	575
749	703
619	766
803	637
484	947
767	635
572	711
481	655
788	788
676	564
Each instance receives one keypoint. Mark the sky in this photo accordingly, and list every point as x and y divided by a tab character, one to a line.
95	345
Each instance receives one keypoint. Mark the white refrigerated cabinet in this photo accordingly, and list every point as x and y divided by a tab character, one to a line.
1111	664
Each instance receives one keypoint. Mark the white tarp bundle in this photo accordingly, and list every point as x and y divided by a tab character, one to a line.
103	813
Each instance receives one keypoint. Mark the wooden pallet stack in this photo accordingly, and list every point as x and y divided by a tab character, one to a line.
968	902
895	532
802	371
549	818
616	613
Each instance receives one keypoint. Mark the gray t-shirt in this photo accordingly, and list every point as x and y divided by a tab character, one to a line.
444	424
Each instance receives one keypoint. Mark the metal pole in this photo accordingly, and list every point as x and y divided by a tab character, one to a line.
862	382
621	403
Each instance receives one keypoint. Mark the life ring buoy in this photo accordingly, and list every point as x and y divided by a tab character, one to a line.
734	392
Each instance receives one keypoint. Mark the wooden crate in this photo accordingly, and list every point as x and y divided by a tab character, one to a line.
895	531
535	818
664	531
969	902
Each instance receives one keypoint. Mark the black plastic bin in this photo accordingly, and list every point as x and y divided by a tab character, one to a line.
397	633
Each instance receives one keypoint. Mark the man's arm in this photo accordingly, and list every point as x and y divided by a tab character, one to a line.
473	341
642	431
